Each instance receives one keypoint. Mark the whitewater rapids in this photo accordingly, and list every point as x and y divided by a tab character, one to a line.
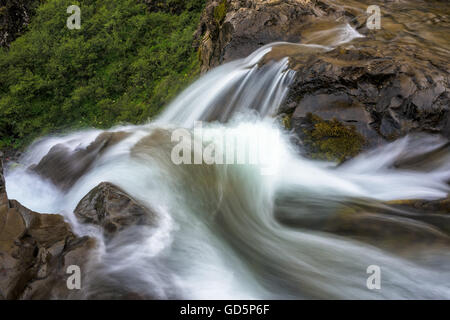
220	232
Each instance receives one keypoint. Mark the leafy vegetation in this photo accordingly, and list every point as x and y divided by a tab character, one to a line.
125	63
331	140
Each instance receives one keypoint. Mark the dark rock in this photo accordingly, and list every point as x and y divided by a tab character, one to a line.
386	85
64	167
381	225
374	89
429	206
232	29
111	208
35	251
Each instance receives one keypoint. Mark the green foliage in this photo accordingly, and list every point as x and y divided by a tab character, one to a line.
173	6
331	140
220	11
123	65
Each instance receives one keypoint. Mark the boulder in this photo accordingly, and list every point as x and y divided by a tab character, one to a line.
378	90
35	251
64	166
113	209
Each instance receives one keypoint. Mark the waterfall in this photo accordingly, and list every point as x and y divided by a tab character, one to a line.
226	231
238	86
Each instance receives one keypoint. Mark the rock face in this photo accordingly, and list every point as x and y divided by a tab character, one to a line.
64	167
111	208
387	226
35	251
384	91
232	29
123	221
385	85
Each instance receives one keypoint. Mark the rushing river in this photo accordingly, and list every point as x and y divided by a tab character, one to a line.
229	231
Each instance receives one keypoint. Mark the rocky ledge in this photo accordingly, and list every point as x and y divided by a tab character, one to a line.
35	251
232	29
111	208
361	94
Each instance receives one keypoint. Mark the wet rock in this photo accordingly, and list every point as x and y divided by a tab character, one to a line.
124	222
375	89
432	212
64	167
387	231
35	251
232	29
111	208
441	206
386	85
400	231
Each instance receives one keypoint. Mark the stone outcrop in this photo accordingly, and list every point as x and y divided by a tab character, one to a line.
64	166
232	29
111	208
386	85
122	220
382	90
35	251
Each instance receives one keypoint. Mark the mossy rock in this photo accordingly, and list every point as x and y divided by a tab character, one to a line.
220	12
331	140
286	121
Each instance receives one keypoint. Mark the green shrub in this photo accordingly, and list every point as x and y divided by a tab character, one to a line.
123	65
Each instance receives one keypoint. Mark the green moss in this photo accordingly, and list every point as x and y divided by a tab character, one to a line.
286	121
331	140
220	12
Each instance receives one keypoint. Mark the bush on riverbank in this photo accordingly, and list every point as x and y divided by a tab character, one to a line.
125	63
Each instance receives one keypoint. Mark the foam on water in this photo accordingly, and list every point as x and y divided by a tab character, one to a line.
217	236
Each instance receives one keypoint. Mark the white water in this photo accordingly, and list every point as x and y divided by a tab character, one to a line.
238	86
217	236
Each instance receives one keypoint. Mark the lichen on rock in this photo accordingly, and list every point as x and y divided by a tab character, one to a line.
330	139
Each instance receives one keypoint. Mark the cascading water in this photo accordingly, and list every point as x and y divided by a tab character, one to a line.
238	86
227	231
